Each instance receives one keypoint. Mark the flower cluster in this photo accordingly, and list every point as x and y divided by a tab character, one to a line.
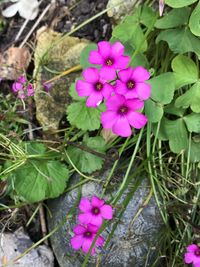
23	88
192	256
123	88
90	219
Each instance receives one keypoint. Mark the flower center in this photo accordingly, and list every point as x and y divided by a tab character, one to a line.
95	211
130	84
98	86
109	62
87	234
123	110
197	252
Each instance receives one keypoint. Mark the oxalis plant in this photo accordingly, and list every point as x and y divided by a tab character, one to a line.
139	93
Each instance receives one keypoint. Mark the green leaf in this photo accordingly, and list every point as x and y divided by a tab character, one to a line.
85	54
193	122
194	152
194	22
82	117
144	15
179	3
131	32
190	99
85	161
73	93
153	111
39	180
163	87
185	70
176	17
180	40
172	109
33	148
176	133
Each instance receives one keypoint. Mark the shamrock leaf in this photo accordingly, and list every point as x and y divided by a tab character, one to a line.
85	161
176	17
153	111
163	87
190	98
179	3
193	122
180	40
194	152
194	22
185	71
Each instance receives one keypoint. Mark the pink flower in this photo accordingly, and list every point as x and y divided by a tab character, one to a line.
95	211
84	236
94	87
132	83
47	86
121	114
193	255
22	88
110	57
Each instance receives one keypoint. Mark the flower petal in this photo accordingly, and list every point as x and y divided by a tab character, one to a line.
86	246
92	228
196	263
85	204
96	220
85	218
100	241
192	248
77	241
95	58
17	86
108	73
135	104
117	49
107	90
188	257
121	127
97	202
10	11
104	49
79	229
91	75
140	74
143	90
108	118
114	102
136	119
120	87
122	62
131	94
107	212
84	88
94	99
125	75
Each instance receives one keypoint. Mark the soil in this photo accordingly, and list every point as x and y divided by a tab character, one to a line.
65	16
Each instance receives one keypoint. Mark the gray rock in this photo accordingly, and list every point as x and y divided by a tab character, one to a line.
121	8
14	244
132	240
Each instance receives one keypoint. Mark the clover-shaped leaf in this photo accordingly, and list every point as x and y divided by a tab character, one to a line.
185	70
190	98
194	22
163	87
153	110
193	122
179	3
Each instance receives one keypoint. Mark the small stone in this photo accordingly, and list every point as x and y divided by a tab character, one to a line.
14	244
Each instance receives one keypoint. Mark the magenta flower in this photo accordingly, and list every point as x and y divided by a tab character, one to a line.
121	115
22	88
95	211
84	236
132	83
110	57
94	87
192	255
47	86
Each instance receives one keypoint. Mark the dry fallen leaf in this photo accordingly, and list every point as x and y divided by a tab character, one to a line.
13	62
